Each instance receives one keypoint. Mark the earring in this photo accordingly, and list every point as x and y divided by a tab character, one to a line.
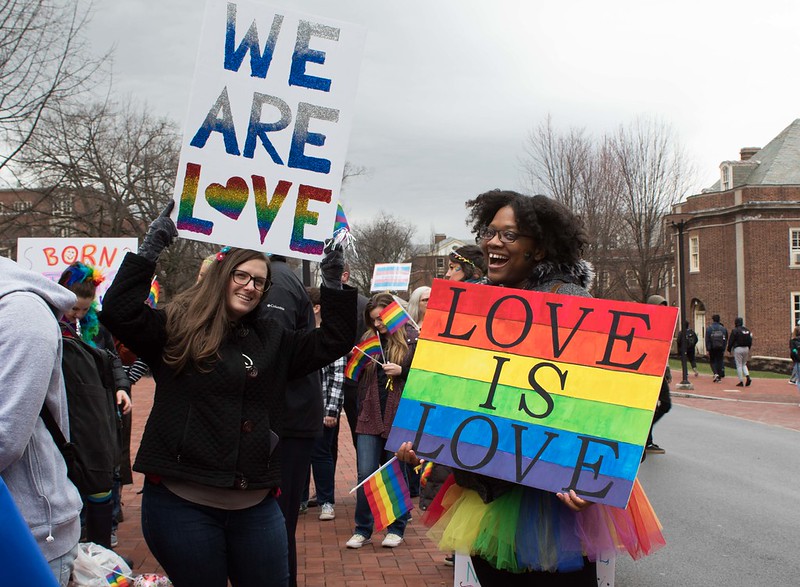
527	256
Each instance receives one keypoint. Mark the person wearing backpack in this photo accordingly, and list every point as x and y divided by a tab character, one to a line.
31	464
739	344
716	341
97	396
691	344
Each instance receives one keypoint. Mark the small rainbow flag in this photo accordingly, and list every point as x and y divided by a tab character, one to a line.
394	316
371	347
152	297
341	219
387	493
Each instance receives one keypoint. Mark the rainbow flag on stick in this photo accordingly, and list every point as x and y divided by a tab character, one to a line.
394	316
387	494
369	349
341	220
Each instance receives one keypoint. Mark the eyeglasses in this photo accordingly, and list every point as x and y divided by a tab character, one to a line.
487	233
243	278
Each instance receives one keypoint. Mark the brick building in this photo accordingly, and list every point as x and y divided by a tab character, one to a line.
742	245
30	213
430	261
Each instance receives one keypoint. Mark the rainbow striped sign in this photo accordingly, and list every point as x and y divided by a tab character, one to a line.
547	390
387	494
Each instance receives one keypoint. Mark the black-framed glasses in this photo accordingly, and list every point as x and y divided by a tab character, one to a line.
487	233
262	284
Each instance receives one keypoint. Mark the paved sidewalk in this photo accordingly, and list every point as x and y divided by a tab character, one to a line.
322	558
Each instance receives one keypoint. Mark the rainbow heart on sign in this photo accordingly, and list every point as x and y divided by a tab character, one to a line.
230	198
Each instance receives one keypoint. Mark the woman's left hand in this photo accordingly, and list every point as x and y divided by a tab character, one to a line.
407	455
573	502
124	401
329	421
392	369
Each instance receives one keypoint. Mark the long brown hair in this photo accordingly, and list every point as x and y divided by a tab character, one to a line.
197	319
396	347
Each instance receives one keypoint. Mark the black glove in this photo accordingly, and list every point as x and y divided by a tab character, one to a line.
332	265
159	236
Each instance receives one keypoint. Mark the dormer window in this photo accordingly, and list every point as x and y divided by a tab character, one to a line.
726	181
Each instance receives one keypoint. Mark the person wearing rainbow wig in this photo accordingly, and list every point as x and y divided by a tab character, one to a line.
81	322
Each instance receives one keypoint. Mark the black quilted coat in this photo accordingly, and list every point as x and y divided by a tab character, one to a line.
214	428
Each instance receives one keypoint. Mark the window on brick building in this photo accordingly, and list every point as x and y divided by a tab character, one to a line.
604	279
694	254
727	178
440	271
794	247
22	206
795	308
63	206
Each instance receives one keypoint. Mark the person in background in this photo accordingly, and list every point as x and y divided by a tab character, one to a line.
322	464
209	507
467	264
31	464
739	343
532	243
379	391
664	403
288	304
418	304
716	341
794	353
81	322
691	345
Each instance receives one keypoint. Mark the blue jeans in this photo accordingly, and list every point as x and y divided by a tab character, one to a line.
796	374
201	545
323	468
62	566
371	454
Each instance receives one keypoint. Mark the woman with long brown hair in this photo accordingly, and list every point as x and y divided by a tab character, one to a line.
209	512
379	390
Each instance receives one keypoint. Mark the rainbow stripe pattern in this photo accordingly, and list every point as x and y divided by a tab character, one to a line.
387	493
370	346
155	291
117	578
394	316
341	220
541	389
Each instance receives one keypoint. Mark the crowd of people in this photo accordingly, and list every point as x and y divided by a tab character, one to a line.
248	366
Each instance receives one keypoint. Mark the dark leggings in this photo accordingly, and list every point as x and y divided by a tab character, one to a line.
491	577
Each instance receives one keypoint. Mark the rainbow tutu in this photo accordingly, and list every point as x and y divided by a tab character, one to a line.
528	529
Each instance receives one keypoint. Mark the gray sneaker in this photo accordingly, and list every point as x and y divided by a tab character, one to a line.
327	512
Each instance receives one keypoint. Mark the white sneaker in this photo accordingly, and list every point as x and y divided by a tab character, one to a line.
357	541
327	512
392	540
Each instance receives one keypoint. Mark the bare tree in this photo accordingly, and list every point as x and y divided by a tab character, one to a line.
108	170
43	61
384	240
655	174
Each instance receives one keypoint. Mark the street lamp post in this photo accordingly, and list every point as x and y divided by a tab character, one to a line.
684	384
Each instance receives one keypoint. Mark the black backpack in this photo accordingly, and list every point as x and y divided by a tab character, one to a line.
717	339
691	338
94	450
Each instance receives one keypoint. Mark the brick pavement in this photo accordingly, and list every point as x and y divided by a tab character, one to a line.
322	558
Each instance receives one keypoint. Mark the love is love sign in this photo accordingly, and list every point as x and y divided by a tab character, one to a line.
546	390
266	134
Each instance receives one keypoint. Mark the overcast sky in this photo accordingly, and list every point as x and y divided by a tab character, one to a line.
449	89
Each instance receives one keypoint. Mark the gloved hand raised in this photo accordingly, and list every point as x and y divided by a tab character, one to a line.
159	236
332	265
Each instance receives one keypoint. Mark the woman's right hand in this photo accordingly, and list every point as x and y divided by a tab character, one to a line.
392	369
159	235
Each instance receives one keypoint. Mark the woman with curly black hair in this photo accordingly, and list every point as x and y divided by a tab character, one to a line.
522	535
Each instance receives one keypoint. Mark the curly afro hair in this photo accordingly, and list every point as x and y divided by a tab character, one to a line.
556	230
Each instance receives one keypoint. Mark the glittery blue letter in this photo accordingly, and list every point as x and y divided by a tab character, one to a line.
259	63
302	54
301	137
214	123
258	130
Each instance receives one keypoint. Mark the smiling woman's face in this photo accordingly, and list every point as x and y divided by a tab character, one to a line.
510	264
